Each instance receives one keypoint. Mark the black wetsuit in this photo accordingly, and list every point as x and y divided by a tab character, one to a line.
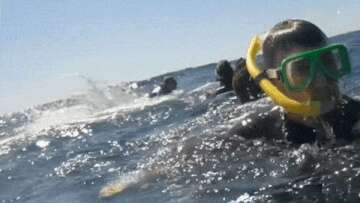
244	86
241	82
273	124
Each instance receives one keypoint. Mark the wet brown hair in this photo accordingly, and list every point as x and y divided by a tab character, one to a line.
288	34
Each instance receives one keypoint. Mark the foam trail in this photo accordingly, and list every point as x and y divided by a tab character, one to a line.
126	181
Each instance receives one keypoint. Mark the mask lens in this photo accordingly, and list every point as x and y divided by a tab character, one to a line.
332	65
298	73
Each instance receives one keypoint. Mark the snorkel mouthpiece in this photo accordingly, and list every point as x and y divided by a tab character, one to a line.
308	109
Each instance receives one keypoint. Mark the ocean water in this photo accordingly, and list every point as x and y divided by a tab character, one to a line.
167	149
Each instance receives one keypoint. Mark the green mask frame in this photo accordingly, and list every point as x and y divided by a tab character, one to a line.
331	61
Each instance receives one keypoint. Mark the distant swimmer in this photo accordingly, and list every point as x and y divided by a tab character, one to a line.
237	80
300	75
168	85
244	86
224	74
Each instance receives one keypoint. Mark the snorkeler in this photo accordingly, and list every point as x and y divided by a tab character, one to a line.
300	74
238	80
224	74
168	85
244	86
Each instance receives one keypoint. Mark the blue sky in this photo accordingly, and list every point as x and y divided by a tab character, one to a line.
43	43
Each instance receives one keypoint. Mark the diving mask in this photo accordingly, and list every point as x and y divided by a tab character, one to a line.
298	71
311	108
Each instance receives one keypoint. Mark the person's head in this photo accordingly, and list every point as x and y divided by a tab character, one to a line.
224	72
169	84
244	87
291	37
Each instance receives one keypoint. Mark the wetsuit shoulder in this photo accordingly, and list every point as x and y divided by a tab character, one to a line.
262	122
345	120
352	115
352	106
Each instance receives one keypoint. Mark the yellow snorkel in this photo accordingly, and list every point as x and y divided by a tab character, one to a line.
310	109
